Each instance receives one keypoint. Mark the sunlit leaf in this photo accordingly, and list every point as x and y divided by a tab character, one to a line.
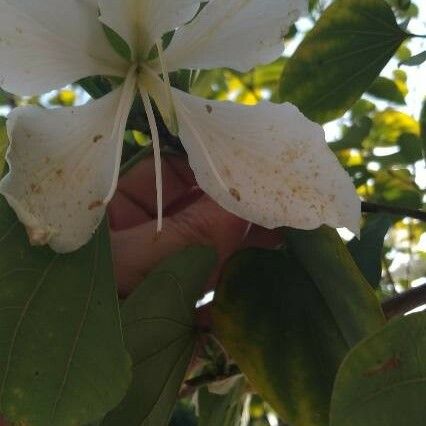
62	357
382	382
389	125
414	60
387	89
397	187
274	323
354	136
341	57
160	335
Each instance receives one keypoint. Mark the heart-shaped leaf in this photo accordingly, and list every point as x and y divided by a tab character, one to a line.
62	357
341	57
382	381
160	335
274	323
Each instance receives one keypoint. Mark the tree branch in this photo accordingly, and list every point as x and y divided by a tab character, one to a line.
191	385
368	207
404	302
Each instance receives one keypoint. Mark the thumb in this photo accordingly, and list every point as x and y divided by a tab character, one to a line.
137	250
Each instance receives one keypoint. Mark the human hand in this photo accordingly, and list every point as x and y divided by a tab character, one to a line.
190	218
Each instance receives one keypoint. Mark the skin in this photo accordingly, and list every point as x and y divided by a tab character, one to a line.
190	218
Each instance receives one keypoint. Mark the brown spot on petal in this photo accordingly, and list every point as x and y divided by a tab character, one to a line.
35	188
95	204
97	138
235	194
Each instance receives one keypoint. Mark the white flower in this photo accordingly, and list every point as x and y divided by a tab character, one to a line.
267	163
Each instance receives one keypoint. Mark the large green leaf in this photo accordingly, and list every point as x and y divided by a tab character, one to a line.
224	410
274	323
341	57
159	332
62	357
342	285
382	382
367	251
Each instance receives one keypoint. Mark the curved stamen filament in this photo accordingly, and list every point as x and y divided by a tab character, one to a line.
157	155
119	127
173	119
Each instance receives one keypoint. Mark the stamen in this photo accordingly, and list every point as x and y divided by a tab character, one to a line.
157	155
123	110
174	128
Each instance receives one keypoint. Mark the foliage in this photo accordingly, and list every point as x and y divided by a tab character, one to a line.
302	323
381	375
63	311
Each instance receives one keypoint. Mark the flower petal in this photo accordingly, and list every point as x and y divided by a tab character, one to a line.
46	44
267	164
64	167
238	34
142	22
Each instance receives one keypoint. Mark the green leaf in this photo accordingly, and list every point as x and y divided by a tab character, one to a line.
3	143
223	410
354	136
414	60
341	57
160	335
382	382
274	323
367	252
62	358
342	285
387	89
118	43
397	187
423	129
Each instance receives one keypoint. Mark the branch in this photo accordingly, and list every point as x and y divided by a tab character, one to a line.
190	386
404	302
368	207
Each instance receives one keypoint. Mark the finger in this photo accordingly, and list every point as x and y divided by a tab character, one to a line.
136	251
263	238
139	186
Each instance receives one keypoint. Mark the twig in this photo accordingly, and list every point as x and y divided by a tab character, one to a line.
404	302
191	385
368	207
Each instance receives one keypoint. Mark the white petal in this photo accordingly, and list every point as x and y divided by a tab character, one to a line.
238	34
46	44
142	22
63	167
267	164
